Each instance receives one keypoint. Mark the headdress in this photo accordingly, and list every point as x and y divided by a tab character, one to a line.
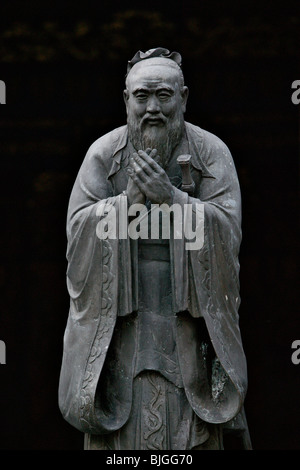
157	52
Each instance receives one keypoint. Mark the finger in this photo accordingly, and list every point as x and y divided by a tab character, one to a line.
137	181
138	171
142	164
131	164
149	160
153	153
129	170
155	156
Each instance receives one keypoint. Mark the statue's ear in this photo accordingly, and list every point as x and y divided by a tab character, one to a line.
184	96
126	97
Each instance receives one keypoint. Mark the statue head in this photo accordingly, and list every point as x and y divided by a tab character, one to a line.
155	98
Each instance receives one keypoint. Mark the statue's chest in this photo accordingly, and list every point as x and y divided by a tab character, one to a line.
119	180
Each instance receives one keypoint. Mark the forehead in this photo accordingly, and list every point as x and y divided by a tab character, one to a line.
153	76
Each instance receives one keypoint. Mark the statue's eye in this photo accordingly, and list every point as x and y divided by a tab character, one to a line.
141	96
163	95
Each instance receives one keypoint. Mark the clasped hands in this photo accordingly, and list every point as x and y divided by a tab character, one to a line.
148	179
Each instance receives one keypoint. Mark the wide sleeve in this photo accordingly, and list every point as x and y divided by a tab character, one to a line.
97	269
207	284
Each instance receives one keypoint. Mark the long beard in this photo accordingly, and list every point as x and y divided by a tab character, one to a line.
163	138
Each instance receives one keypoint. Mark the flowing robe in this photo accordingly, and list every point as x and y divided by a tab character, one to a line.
102	279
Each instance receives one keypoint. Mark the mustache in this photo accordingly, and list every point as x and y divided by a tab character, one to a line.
153	117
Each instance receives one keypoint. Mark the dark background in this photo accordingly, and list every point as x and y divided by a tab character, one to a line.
64	65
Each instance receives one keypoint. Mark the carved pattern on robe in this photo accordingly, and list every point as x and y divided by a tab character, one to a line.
87	413
153	419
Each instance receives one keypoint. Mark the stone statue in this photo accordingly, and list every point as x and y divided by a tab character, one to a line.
153	356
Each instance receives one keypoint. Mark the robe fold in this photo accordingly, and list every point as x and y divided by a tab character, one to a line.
102	279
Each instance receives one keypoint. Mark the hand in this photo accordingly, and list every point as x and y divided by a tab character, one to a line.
150	177
134	195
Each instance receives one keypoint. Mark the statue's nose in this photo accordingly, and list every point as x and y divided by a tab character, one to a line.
153	105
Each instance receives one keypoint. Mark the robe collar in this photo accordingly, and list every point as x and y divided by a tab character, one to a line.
195	143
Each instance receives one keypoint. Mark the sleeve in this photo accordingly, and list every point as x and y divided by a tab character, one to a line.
97	267
207	285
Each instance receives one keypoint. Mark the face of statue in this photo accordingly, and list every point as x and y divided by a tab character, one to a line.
155	102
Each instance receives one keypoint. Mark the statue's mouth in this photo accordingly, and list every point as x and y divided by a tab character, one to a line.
154	121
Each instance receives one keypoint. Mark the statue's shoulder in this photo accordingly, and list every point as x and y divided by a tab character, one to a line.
208	151
206	141
107	145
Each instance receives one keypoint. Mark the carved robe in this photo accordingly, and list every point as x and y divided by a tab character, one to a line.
177	328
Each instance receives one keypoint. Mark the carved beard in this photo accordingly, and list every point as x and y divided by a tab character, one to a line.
163	138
